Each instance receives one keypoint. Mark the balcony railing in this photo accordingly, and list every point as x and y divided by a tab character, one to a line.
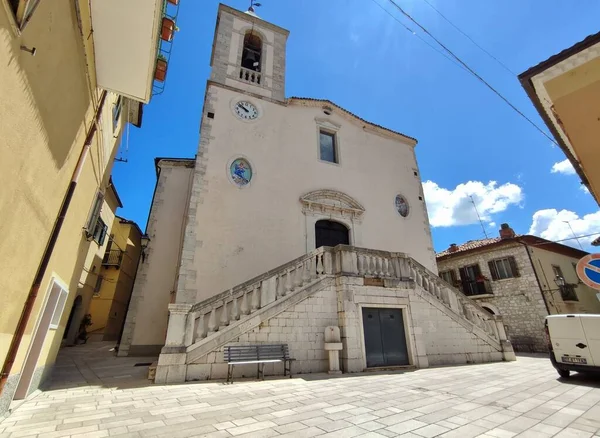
251	76
114	257
473	287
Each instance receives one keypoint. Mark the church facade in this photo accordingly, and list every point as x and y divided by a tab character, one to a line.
295	215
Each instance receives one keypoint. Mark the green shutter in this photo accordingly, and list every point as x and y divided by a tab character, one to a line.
493	270
513	267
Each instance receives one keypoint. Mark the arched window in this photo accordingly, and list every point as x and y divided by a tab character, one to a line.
252	53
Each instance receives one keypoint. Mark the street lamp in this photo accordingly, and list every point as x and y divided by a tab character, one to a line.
560	282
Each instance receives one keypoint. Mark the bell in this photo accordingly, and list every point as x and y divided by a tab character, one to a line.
249	57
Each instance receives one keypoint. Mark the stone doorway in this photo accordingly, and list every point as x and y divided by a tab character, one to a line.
330	233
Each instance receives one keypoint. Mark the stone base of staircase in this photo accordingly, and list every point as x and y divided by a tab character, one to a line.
436	334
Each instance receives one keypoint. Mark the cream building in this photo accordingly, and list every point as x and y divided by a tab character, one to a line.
241	236
63	106
522	278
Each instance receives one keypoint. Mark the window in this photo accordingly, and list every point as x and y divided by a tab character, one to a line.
449	277
327	147
23	10
503	268
117	112
60	304
94	214
252	53
567	291
472	282
98	285
99	233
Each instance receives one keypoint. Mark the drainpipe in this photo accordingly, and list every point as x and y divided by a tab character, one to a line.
537	279
41	271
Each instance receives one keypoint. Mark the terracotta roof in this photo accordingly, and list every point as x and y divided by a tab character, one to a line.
467	246
329	102
527	239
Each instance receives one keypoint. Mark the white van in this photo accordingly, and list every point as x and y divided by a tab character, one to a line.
574	343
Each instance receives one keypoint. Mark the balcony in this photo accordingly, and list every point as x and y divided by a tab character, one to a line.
113	258
126	42
473	288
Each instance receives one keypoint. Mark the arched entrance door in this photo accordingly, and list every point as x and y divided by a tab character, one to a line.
330	233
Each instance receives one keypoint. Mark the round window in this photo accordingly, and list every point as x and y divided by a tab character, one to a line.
401	205
240	171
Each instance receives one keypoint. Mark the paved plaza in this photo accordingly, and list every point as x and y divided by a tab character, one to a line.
94	394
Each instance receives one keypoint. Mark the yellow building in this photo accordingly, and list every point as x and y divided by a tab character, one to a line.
112	287
565	90
65	94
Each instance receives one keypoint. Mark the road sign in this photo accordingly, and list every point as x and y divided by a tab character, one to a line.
588	270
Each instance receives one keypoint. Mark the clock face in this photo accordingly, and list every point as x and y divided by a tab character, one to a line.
245	110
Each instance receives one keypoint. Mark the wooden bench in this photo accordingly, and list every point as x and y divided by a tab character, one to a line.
258	354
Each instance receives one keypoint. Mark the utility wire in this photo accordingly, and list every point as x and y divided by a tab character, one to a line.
473	72
471	39
418	36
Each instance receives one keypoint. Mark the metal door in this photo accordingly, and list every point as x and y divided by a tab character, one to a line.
329	233
385	339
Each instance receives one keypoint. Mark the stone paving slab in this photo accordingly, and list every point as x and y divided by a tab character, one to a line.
514	399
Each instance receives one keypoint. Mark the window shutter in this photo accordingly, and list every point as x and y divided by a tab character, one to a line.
453	277
463	274
513	266
493	270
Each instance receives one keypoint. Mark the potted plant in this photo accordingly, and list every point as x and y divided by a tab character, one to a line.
161	68
168	29
481	279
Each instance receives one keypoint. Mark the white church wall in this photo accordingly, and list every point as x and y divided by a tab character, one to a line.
243	232
146	321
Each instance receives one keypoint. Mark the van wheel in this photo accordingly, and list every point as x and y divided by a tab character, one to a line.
564	373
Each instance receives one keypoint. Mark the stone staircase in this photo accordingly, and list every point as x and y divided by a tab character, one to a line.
198	330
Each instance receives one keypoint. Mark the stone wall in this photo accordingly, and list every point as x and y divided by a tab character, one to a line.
435	334
518	300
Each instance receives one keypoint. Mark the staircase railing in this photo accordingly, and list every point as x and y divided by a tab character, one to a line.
230	306
218	312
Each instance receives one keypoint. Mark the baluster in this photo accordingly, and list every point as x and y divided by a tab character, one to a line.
224	316
377	267
319	264
235	311
313	268
368	265
258	79
255	299
298	277
245	306
385	267
241	74
288	282
305	272
361	264
200	331
212	321
280	286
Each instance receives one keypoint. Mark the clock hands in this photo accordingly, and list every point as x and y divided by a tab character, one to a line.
243	107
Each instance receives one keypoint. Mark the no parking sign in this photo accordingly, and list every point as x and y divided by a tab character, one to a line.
588	271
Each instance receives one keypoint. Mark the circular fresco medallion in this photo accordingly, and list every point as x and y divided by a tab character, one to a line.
401	205
241	172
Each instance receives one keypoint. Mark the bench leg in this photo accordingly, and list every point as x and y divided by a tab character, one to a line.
287	368
262	371
230	374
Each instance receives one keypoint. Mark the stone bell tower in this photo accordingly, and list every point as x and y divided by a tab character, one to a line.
249	53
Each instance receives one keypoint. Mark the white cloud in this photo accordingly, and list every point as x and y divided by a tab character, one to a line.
552	224
492	224
447	208
565	167
584	189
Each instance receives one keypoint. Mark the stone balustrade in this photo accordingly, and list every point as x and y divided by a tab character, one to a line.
250	76
215	314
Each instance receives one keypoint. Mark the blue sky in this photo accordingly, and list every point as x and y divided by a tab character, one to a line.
355	54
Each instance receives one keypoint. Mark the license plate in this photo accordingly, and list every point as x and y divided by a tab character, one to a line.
568	359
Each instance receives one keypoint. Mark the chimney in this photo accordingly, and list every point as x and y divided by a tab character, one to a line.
506	232
453	247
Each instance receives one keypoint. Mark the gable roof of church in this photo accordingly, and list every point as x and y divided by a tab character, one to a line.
314	102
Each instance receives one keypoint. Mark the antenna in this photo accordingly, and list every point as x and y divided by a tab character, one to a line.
478	217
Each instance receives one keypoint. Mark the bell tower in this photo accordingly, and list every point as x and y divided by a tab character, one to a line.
249	53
